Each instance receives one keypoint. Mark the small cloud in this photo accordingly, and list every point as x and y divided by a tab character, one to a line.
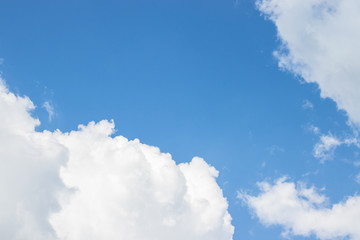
237	2
307	105
357	163
314	173
1	61
314	129
50	109
274	148
357	178
324	150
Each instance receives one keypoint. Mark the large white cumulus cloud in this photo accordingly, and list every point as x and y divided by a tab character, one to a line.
304	211
29	171
87	184
132	190
321	44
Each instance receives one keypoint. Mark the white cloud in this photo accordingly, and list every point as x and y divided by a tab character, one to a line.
320	42
357	178
274	149
307	105
133	191
324	149
87	184
314	129
50	109
29	171
303	211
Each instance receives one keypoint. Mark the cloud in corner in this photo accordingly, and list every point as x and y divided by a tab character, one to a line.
303	211
88	184
318	39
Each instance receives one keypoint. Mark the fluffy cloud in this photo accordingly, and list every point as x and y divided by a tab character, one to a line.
29	171
87	184
131	190
325	148
320	41
303	211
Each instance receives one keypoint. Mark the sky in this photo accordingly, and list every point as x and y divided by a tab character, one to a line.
169	119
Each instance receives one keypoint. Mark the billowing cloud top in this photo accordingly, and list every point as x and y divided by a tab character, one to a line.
321	44
87	184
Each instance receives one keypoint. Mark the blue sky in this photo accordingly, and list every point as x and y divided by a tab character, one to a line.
194	78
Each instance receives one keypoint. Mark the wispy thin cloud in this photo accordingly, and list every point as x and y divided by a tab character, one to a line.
307	105
357	178
275	149
50	109
325	148
314	129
